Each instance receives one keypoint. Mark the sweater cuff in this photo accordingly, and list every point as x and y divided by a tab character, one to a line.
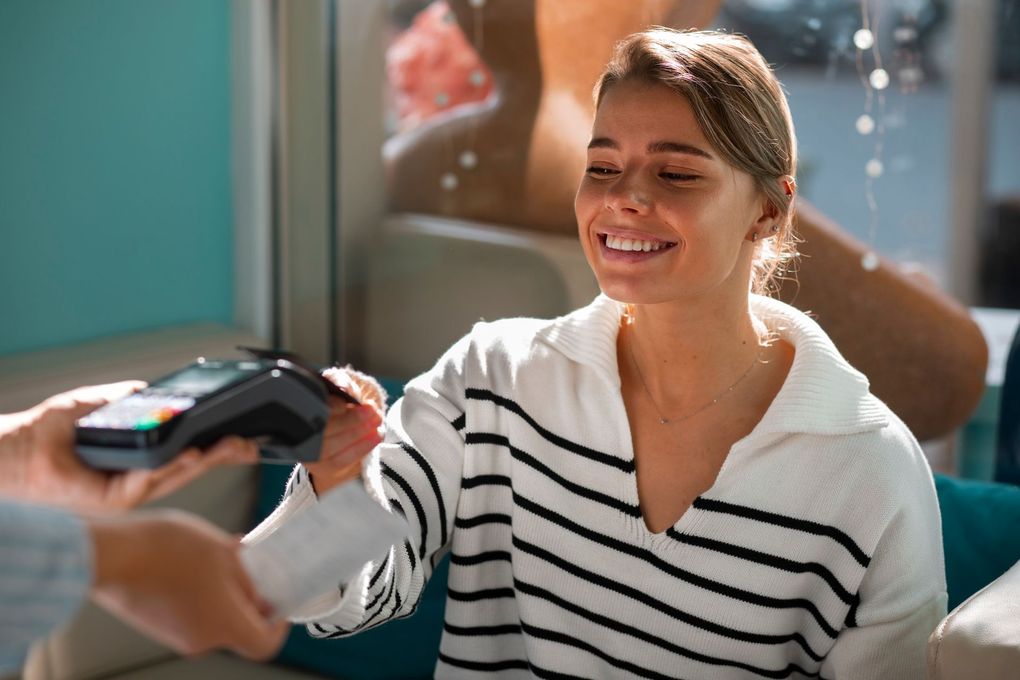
298	497
344	608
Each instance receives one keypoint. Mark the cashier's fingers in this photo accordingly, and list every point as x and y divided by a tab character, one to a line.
80	401
253	633
140	486
252	636
231	451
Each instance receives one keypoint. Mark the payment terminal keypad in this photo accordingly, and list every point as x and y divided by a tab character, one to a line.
140	411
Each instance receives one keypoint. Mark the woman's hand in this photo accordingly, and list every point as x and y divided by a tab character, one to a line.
351	431
38	462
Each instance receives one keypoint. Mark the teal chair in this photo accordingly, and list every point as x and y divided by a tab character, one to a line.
1007	455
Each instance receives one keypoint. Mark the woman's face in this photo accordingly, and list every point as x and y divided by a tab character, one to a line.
661	216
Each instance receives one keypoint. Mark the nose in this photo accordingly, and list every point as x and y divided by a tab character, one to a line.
627	195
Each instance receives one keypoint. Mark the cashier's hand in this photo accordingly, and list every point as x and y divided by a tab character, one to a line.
38	462
180	580
351	432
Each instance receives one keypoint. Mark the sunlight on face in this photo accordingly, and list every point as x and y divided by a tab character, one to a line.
661	216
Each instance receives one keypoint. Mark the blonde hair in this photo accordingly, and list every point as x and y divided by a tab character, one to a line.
739	105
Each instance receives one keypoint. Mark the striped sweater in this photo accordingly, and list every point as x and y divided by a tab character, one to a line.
816	553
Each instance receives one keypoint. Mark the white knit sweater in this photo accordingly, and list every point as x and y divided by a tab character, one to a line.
816	553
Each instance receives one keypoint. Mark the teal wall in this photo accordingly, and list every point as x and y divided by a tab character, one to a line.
115	196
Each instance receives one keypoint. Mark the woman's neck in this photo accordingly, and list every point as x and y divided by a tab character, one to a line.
685	355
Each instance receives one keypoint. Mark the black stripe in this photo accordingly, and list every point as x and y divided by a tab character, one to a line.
414	565
378	572
475	596
390	592
364	624
682	574
774	561
488	666
657	604
540	672
395	503
390	473
482	631
534	463
434	483
851	616
480	558
645	636
337	632
804	525
579	449
382	606
481	480
564	639
414	605
487	518
459	422
375	600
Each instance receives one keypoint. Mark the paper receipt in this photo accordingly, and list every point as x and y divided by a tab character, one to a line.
324	546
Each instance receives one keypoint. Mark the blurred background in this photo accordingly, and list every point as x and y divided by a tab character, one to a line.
183	175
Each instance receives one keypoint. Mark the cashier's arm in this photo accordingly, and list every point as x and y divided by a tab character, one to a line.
38	462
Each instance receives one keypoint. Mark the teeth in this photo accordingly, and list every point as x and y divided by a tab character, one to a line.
617	243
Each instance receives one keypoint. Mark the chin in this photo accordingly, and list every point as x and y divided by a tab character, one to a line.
631	292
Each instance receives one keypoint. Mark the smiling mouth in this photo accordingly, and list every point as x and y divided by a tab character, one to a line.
633	245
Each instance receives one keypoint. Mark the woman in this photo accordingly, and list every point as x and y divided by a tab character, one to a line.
683	479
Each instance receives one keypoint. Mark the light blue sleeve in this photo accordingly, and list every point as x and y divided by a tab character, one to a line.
45	575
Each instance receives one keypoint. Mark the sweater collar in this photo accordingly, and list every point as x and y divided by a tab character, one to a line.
823	393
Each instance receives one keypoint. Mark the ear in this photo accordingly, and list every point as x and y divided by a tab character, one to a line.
767	223
768	217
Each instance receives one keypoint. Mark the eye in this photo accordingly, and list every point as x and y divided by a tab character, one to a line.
678	177
597	171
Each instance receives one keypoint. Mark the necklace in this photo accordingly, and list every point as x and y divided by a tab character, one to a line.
663	420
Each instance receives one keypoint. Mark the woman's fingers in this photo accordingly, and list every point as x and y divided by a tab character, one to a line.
347	425
353	440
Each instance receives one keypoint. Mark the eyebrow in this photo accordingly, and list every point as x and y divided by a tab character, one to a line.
654	147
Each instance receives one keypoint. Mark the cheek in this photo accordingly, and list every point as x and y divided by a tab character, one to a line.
586	200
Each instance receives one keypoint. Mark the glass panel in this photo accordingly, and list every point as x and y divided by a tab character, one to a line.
1000	245
872	111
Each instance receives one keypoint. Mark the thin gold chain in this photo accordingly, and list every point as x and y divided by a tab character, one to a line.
663	420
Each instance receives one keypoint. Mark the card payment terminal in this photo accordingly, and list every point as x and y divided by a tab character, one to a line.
280	402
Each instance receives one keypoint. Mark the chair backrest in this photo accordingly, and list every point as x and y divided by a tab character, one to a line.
1007	464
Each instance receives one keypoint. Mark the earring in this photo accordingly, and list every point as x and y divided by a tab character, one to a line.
775	228
754	236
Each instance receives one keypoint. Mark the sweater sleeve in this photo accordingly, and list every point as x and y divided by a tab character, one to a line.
416	472
45	574
903	592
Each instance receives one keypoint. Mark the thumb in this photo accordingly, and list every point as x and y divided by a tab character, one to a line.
83	400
